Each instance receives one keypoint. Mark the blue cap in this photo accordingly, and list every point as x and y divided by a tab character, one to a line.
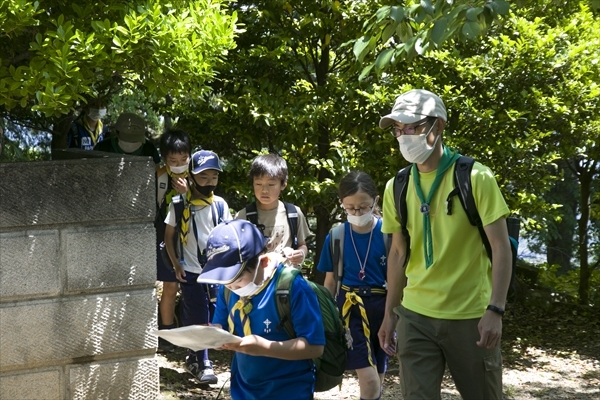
229	246
203	160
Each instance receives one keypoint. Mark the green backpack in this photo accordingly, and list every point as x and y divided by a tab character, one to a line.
332	364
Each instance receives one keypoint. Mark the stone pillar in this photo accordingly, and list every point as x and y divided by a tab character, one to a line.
77	274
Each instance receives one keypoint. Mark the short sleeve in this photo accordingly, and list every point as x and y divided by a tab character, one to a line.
391	221
325	262
303	229
306	314
221	311
170	219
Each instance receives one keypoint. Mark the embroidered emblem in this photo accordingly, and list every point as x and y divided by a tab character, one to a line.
204	159
267	323
213	251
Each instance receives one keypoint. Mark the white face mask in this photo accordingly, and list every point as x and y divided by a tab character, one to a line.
95	114
250	288
414	148
360	220
129	147
178	170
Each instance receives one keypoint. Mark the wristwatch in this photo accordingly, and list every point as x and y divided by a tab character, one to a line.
495	309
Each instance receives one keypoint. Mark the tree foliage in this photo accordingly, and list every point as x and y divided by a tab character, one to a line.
402	32
56	54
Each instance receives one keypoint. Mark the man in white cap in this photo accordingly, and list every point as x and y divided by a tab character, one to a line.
130	138
446	300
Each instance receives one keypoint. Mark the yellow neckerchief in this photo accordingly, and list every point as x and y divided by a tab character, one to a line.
185	219
354	299
169	195
245	306
94	135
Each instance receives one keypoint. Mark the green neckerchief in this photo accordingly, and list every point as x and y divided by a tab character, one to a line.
447	160
115	145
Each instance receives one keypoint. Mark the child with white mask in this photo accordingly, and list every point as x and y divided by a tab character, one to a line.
267	363
87	129
361	294
171	180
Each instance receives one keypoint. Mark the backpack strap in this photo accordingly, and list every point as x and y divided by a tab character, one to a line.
252	216
336	246
292	217
464	190
400	188
178	206
283	299
162	185
217	211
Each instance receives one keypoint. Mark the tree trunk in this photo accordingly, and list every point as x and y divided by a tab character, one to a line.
60	131
560	243
321	212
585	181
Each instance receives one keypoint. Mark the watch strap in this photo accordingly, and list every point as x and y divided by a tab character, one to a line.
495	309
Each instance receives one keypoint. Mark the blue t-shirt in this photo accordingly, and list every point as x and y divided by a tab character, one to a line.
376	269
263	378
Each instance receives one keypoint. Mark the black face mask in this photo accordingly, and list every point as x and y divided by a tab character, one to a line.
205	190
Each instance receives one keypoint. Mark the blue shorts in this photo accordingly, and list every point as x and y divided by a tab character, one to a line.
196	307
163	273
358	356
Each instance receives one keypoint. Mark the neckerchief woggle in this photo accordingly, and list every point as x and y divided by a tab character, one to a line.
448	158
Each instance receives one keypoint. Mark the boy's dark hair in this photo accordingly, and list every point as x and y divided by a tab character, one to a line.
251	264
356	181
270	165
175	141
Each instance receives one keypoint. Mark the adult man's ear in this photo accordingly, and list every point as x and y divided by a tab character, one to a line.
441	124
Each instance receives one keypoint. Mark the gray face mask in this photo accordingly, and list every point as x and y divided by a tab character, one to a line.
129	147
414	148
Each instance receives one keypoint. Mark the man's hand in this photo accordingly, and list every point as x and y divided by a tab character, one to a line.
490	330
386	334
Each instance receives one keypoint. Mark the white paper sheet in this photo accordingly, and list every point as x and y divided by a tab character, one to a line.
197	337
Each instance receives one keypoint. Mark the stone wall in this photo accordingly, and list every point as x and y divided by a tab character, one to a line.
77	274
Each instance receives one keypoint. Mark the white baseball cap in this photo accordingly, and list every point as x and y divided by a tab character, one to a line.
413	106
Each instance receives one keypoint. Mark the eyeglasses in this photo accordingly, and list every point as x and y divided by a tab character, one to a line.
358	211
409	129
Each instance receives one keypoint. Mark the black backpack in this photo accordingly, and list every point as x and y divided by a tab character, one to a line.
292	217
462	189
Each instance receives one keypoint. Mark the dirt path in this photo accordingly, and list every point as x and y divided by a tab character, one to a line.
549	358
551	377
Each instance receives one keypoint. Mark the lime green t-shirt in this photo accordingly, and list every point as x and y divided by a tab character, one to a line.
458	284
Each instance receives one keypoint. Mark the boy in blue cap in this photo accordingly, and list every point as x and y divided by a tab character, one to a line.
200	216
267	364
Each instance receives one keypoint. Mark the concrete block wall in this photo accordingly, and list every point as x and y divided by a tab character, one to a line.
77	274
